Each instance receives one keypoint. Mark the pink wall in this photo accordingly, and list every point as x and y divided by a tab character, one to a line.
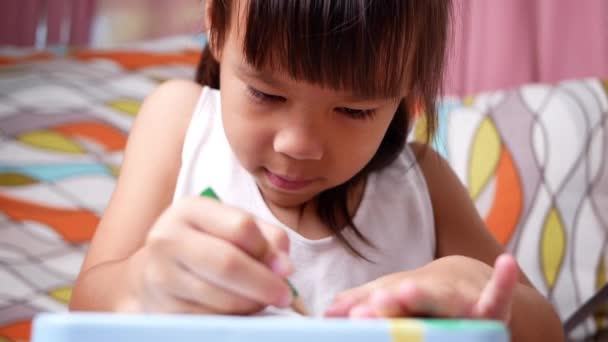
501	44
497	43
20	18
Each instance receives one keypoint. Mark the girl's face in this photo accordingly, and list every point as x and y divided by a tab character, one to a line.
297	139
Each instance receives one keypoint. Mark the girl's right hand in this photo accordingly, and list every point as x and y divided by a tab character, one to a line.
202	256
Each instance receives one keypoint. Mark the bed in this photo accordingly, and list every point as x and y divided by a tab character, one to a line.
64	120
533	159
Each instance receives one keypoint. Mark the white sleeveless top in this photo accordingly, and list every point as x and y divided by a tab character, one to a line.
395	213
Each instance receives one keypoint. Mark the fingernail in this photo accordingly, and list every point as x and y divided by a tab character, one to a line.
407	288
335	309
342	304
286	300
380	298
281	264
361	311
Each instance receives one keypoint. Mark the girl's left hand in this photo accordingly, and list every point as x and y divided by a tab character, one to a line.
449	287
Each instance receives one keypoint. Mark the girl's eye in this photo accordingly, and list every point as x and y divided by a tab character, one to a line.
357	113
263	97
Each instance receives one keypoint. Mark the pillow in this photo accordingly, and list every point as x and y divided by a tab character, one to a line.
534	160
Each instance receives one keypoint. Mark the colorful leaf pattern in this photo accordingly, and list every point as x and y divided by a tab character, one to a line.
58	165
526	148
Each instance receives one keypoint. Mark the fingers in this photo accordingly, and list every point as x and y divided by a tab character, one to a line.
170	305
277	255
496	298
206	257
193	290
434	301
260	240
366	302
275	236
224	265
264	242
160	278
407	299
386	304
430	297
362	311
346	301
224	222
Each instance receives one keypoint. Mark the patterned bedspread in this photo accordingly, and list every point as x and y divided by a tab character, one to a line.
63	127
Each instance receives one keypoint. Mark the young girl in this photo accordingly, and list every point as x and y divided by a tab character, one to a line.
300	129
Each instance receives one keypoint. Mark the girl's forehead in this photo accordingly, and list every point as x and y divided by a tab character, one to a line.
345	59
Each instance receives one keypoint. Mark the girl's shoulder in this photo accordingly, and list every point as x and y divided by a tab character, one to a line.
174	99
175	89
169	109
458	226
435	169
180	106
147	180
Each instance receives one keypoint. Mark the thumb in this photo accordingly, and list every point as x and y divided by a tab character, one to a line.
276	236
277	255
497	297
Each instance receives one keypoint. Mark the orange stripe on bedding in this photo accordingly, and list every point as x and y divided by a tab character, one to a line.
18	331
135	60
73	225
4	60
508	200
109	137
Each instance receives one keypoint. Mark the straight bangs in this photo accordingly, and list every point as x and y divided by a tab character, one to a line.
356	46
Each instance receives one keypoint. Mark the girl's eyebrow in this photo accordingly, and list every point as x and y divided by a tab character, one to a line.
250	72
369	98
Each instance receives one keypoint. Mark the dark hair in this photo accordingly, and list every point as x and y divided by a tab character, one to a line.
368	47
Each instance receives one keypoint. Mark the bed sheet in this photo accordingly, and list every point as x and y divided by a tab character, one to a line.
64	120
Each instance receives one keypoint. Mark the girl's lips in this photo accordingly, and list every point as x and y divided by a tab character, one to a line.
285	183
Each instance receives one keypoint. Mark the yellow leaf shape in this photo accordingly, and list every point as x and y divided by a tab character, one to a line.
420	133
115	170
62	294
127	106
468	101
406	330
553	244
485	154
600	281
15	179
49	140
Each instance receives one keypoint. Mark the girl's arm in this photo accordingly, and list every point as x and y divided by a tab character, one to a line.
193	256
151	165
461	231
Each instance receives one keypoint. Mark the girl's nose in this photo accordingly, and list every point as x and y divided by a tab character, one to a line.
298	143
